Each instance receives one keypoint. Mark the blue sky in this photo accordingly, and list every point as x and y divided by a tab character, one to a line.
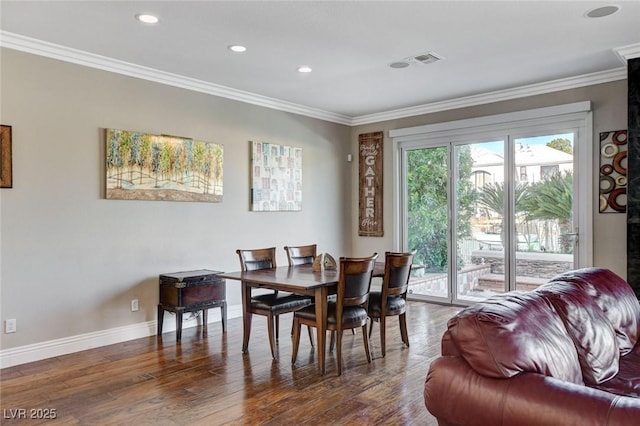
537	140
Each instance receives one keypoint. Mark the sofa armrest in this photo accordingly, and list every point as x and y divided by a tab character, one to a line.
455	394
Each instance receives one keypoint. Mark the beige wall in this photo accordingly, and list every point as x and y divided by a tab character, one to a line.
72	260
609	104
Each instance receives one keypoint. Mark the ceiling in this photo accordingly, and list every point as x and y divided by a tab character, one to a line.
488	47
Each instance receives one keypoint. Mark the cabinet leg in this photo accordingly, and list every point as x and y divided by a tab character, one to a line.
205	321
160	319
223	315
178	326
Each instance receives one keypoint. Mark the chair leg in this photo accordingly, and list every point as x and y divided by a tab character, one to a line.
339	350
383	335
365	337
277	327
296	339
332	343
403	329
272	339
310	336
371	327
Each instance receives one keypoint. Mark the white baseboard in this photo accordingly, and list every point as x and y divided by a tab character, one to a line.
67	345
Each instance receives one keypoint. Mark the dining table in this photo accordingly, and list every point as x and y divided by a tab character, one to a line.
300	279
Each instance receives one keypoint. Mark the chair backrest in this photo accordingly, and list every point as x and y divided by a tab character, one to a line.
354	282
300	255
251	260
397	268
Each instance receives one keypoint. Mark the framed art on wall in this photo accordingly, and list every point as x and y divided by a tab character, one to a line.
370	182
276	177
613	172
143	166
6	166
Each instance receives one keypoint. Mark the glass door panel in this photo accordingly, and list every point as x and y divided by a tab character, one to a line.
543	228
427	214
479	211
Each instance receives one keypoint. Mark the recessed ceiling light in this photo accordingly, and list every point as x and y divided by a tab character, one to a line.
601	12
146	18
304	69
237	48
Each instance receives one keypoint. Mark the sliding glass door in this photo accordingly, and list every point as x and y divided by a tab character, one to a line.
486	215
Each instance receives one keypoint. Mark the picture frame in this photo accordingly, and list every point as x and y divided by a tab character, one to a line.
145	166
6	167
613	172
276	177
370	184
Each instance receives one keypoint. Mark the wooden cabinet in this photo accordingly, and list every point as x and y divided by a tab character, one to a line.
191	291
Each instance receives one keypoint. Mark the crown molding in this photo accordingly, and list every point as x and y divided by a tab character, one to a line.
497	96
67	54
628	52
55	51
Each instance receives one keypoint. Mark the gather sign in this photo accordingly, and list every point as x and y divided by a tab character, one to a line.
370	184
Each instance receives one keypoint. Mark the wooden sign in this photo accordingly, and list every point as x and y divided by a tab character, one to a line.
6	174
370	184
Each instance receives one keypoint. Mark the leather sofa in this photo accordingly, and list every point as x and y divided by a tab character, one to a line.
564	354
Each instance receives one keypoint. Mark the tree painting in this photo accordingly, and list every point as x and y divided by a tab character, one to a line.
143	166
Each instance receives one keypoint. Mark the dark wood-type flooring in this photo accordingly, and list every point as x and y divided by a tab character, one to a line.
208	381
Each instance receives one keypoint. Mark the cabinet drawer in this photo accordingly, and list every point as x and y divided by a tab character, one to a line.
203	293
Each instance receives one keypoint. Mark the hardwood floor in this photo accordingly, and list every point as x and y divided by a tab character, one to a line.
208	381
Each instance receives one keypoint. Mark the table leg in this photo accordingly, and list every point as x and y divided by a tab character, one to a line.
321	294
246	316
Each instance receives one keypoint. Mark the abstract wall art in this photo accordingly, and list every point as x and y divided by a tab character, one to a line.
143	166
613	172
276	177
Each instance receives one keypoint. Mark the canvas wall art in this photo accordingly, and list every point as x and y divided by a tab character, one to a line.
143	166
276	177
613	172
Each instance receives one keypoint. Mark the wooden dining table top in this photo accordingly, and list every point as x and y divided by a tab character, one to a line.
295	279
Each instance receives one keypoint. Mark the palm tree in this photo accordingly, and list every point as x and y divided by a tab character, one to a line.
552	199
491	197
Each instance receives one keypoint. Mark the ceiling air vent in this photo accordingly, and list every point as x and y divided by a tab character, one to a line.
426	58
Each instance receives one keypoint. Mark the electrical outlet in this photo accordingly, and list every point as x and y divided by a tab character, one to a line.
10	326
134	305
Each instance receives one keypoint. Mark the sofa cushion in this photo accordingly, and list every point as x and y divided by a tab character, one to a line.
627	381
512	333
588	327
616	299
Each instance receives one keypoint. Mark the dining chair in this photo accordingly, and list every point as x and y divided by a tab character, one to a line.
392	299
274	303
301	255
348	311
